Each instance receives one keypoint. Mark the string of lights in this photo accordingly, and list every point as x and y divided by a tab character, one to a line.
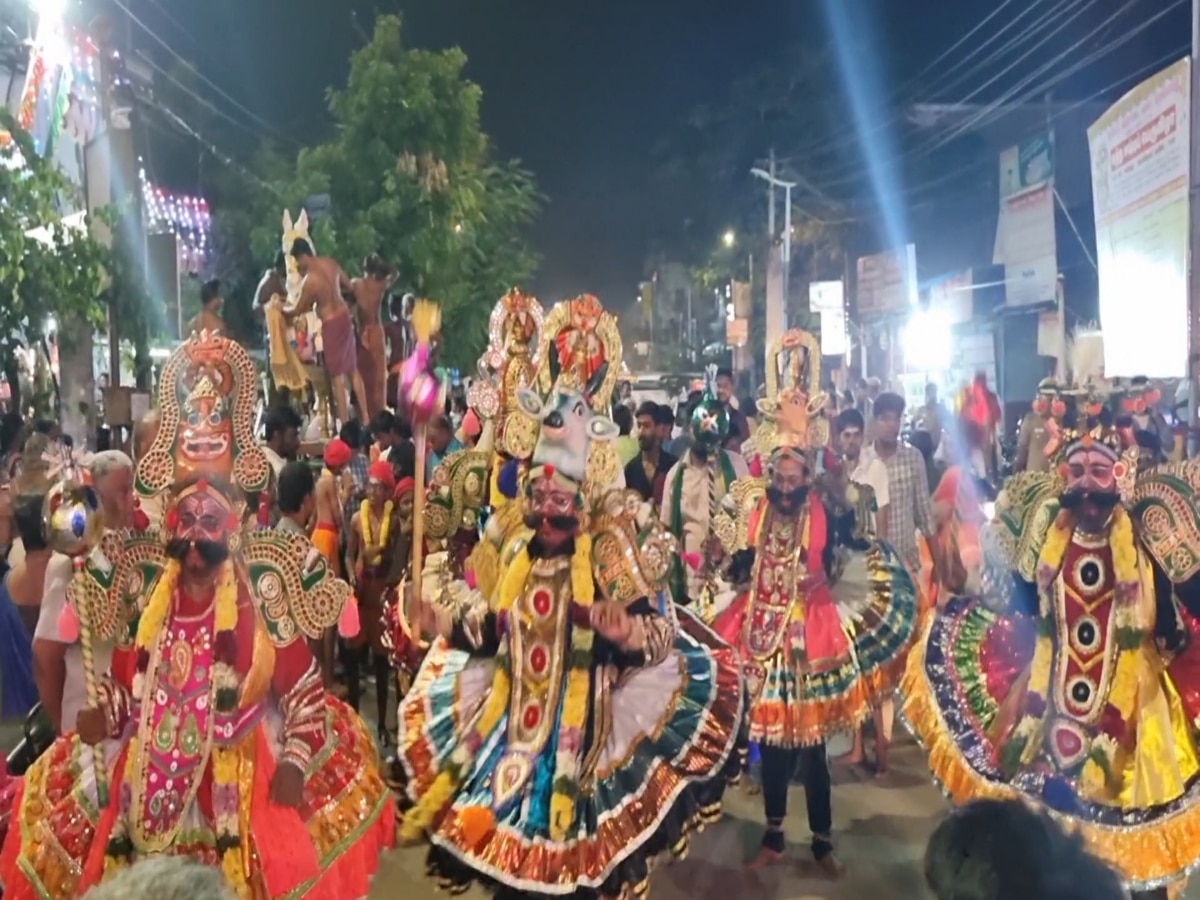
186	216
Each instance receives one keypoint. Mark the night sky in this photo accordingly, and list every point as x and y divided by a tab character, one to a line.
580	92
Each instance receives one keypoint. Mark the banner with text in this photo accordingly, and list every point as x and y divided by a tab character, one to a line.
887	283
1025	241
1140	151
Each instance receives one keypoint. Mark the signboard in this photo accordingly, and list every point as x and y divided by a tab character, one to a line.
826	296
887	283
953	297
1027	165
834	339
1140	150
737	332
1025	239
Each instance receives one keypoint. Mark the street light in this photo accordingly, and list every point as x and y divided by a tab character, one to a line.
729	238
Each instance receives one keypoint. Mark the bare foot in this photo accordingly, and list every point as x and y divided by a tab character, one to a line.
850	760
765	858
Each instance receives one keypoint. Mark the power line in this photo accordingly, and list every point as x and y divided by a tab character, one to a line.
200	75
849	174
851	138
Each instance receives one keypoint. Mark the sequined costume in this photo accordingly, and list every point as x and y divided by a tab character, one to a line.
1073	680
823	616
224	692
540	757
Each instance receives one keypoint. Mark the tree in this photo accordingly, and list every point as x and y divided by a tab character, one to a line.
48	270
410	176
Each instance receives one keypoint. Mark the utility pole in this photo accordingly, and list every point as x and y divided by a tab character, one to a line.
771	190
787	186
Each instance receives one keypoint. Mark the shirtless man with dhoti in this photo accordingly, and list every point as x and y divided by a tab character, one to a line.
369	292
324	285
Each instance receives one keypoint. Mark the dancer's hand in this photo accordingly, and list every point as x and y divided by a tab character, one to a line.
287	787
91	726
612	622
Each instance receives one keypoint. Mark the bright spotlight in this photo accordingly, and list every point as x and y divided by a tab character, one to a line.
729	238
926	341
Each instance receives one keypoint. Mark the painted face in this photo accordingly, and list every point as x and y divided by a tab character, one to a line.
201	517
553	512
1091	470
710	423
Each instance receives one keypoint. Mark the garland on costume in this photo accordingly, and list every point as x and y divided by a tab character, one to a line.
375	551
1133	601
226	760
477	822
150	627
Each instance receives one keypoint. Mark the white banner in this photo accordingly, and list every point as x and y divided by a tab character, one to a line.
834	340
1140	161
1025	246
826	296
887	283
953	298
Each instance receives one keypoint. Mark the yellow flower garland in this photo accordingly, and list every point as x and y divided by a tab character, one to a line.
574	712
1134	616
375	551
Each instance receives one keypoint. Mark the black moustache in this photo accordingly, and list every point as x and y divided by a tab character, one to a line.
777	497
1076	499
212	552
562	523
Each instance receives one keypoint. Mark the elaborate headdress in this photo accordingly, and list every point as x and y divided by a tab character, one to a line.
511	360
206	399
1086	411
793	420
710	419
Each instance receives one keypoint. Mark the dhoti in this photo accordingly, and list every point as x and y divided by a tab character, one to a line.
372	366
337	335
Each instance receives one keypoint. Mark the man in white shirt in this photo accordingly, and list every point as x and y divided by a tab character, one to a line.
863	468
58	666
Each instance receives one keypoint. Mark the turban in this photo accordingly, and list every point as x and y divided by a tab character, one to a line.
404	486
382	473
337	453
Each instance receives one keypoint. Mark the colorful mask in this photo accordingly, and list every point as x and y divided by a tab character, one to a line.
201	514
568	427
710	419
1090	467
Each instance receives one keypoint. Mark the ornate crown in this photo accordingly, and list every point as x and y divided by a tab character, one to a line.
793	408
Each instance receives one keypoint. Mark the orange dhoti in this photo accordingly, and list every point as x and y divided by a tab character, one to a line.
327	539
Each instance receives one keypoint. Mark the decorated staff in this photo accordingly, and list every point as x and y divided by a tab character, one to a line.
73	526
420	392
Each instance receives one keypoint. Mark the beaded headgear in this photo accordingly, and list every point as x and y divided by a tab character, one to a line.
710	419
794	405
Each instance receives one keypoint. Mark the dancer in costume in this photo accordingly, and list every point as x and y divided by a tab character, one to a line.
821	633
223	746
694	490
563	733
1071	682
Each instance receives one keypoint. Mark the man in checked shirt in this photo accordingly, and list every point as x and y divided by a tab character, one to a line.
909	511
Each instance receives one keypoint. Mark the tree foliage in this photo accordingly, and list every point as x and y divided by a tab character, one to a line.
409	174
48	271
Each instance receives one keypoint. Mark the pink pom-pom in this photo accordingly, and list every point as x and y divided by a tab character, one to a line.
693	561
755	467
68	625
348	624
469	578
